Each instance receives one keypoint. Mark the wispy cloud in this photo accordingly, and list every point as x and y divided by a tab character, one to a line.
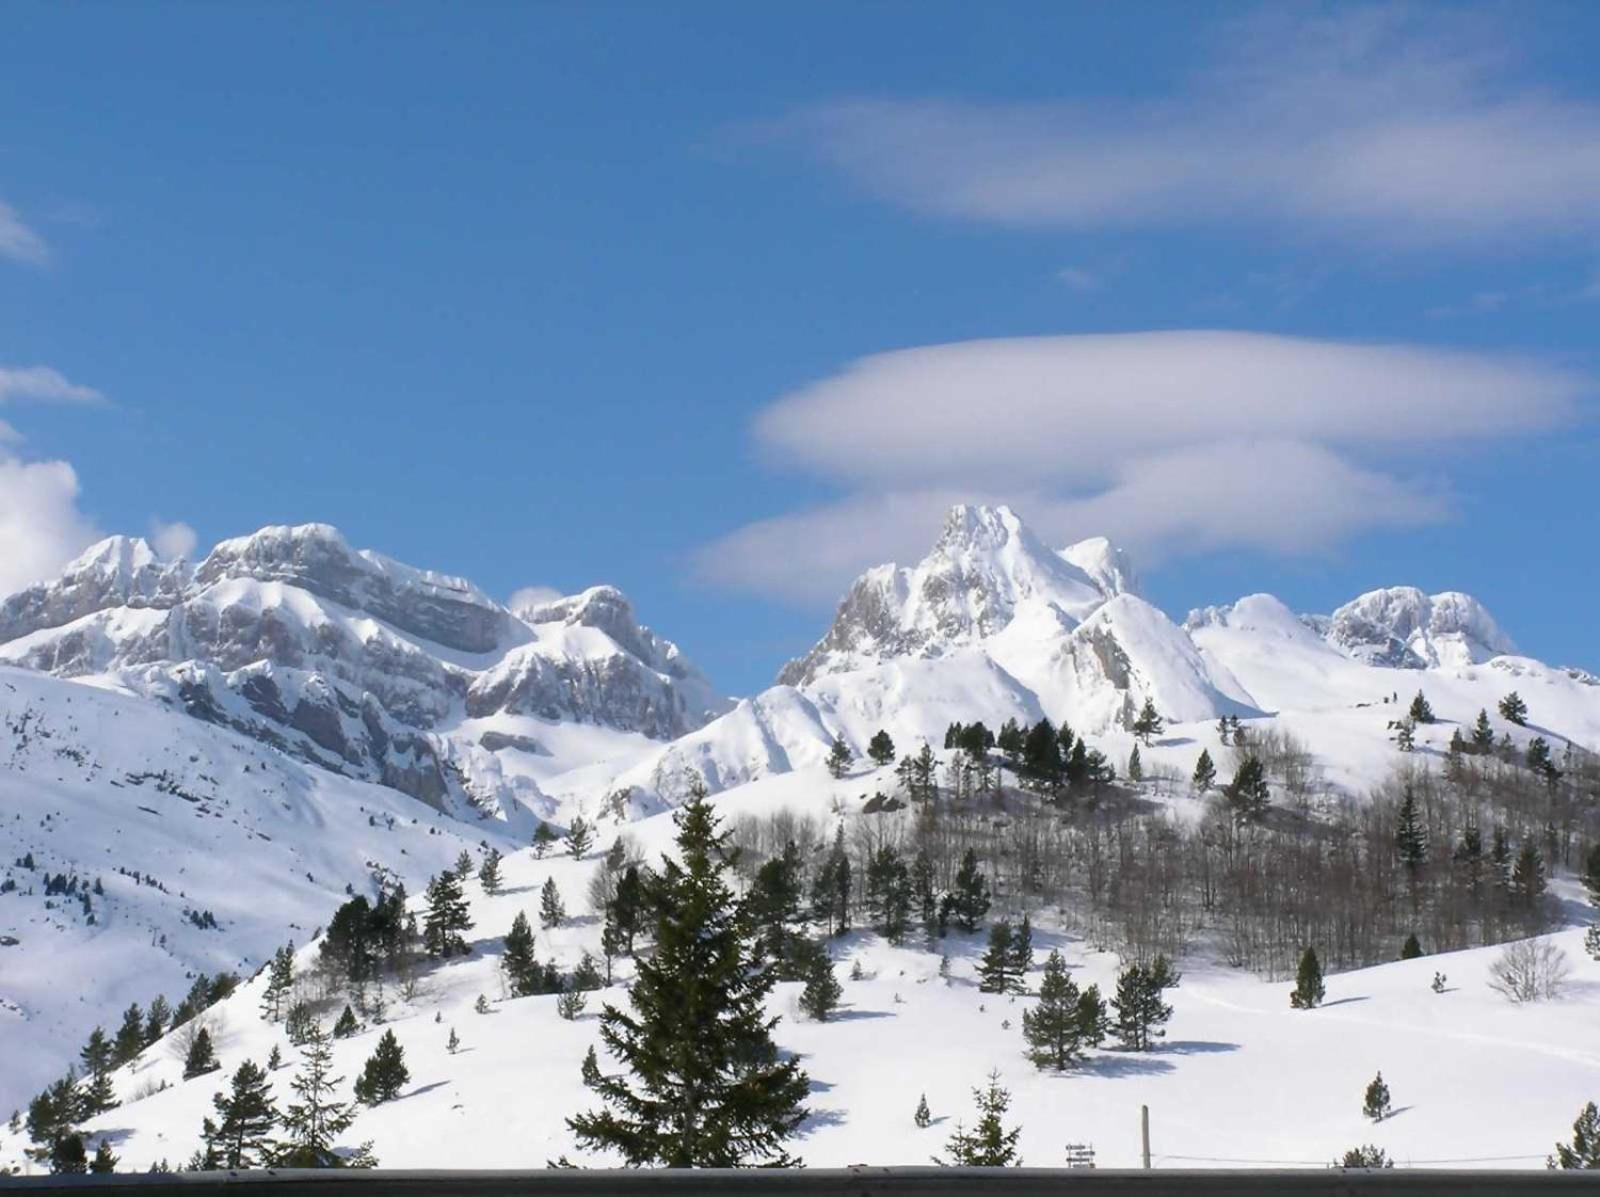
42	384
1387	126
41	525
18	241
1174	442
172	540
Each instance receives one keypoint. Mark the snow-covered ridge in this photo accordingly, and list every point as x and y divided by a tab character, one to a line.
352	660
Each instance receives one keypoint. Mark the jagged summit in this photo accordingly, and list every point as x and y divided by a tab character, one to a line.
353	660
984	567
1402	627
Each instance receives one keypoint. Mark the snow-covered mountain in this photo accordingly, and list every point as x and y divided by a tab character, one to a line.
323	714
355	662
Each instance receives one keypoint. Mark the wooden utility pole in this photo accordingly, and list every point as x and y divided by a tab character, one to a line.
1144	1133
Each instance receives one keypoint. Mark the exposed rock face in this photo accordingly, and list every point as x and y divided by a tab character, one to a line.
314	557
985	564
1404	628
121	571
347	658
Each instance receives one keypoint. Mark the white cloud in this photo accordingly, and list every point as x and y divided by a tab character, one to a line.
41	528
1377	125
19	242
1078	278
43	385
532	596
173	540
1170	442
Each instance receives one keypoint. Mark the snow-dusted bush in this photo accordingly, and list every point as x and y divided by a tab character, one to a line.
1530	970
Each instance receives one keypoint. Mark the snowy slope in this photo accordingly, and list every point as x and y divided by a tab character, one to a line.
1241	1078
93	781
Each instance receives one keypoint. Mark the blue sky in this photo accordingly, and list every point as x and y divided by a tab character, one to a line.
555	295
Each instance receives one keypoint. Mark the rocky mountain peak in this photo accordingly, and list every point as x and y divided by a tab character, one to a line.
1402	627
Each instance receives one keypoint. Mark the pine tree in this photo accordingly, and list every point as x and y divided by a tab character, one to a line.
129	1041
1135	765
463	868
970	900
571	1002
1527	876
839	758
313	1122
830	890
1376	1103
68	1157
246	1117
524	976
552	913
1140	1010
1482	735
990	1144
543	838
580	836
201	1057
881	748
1412	948
453	1044
346	1025
1410	837
489	872
98	1094
274	1058
1585	1149
924	1116
822	990
775	907
385	1072
707	1088
104	1162
1420	711
1514	710
1022	952
1249	794
1065	1021
1148	724
1538	758
448	917
1205	772
1405	735
1367	1156
280	982
1308	990
995	969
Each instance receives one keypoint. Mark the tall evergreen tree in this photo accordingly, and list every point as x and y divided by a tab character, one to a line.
995	970
1591	875
1420	711
1585	1149
1514	710
489	872
552	912
1375	1105
1141	1012
543	838
385	1072
1205	772
990	1144
881	748
1022	951
280	983
1482	735
580	836
969	901
98	1094
1148	723
1308	989
1410	837
201	1057
104	1161
707	1088
839	758
1527	876
1135	765
889	893
312	1123
346	1025
525	976
830	890
775	901
1062	1024
129	1041
241	1137
822	990
1249	794
448	918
